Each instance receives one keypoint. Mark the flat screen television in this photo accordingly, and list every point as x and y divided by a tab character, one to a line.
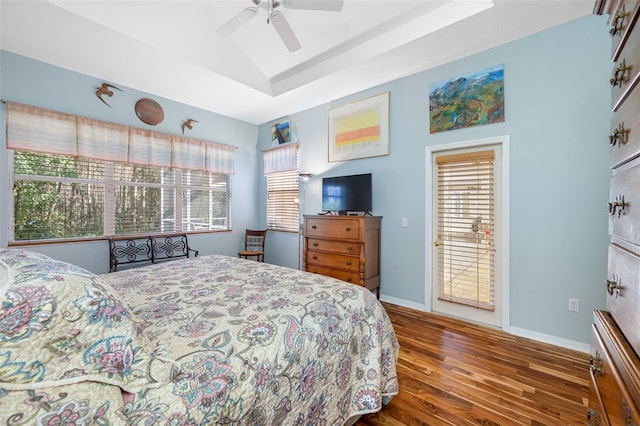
344	194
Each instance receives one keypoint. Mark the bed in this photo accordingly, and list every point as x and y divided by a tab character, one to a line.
206	340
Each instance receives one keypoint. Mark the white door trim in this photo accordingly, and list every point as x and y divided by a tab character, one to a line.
428	261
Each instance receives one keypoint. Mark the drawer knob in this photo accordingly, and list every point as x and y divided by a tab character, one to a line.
348	262
613	286
618	23
619	74
313	227
349	248
348	279
315	257
618	136
617	206
315	244
348	228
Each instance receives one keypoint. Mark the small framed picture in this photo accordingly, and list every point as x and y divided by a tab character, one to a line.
281	132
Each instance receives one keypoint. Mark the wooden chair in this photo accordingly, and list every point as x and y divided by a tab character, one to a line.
253	244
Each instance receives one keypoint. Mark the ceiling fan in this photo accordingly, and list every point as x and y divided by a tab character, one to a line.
277	18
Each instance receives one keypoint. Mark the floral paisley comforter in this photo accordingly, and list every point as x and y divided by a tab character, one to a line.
211	340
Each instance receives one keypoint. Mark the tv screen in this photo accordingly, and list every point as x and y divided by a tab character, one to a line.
347	193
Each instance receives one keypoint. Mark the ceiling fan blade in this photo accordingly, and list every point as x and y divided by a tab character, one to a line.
328	5
284	31
237	21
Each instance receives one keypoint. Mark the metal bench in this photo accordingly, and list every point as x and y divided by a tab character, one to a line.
148	249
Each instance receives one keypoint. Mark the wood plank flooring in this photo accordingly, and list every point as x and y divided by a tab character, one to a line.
455	373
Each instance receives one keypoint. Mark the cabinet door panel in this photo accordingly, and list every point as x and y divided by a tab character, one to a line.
623	302
624	220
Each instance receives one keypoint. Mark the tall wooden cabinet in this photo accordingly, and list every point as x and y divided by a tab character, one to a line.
344	247
614	397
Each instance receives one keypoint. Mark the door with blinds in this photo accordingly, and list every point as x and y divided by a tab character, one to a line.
466	202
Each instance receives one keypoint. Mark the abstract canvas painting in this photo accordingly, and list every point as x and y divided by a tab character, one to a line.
469	100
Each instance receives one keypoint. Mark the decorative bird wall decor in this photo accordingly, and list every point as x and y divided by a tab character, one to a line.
105	89
188	124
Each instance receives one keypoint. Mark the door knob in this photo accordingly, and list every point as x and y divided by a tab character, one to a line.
437	243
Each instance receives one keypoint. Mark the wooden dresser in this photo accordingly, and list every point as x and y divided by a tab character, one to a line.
344	247
614	397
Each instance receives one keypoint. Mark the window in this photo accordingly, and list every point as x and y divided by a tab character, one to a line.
281	169
60	196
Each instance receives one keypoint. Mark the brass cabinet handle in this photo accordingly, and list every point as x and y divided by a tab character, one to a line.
617	206
619	74
595	364
618	23
593	414
618	136
613	286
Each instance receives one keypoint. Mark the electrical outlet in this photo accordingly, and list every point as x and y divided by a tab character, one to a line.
404	222
574	305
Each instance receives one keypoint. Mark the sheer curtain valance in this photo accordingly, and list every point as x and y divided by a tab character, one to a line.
41	130
280	159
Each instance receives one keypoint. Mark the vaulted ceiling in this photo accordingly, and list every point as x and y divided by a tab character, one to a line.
172	48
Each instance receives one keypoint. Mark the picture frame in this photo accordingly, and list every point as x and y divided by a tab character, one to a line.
281	132
473	99
359	129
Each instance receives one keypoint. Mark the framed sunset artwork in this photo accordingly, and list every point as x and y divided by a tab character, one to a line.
359	129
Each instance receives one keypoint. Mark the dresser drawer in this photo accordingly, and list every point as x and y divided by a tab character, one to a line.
625	69
346	229
624	137
624	203
616	401
331	260
624	302
349	277
621	22
340	247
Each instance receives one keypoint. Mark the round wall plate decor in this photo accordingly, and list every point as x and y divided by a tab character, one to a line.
149	111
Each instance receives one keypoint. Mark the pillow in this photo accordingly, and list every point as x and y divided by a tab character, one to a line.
61	324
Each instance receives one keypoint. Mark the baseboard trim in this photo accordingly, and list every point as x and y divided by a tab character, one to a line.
404	303
547	338
517	331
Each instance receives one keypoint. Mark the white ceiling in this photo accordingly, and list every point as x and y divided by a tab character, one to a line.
170	48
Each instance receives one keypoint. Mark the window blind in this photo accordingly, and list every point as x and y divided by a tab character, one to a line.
282	188
466	225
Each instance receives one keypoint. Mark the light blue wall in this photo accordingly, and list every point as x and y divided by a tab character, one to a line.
556	92
35	83
556	97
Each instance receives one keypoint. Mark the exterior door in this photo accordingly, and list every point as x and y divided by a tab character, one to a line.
466	232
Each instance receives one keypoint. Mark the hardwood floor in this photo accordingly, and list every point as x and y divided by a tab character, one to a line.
455	373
